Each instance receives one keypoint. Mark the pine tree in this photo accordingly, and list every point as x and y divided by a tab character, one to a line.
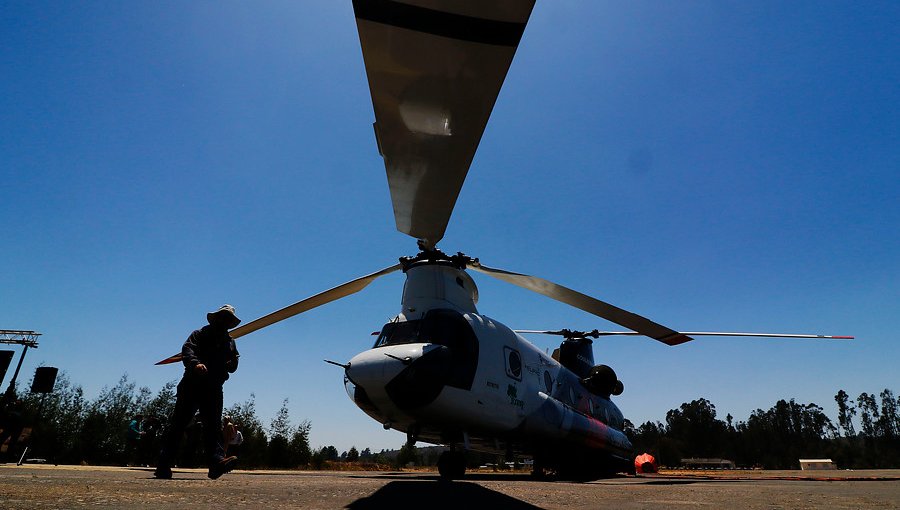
846	412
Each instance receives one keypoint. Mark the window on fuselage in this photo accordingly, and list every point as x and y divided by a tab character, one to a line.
513	363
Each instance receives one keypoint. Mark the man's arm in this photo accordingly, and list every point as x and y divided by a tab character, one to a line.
232	364
189	353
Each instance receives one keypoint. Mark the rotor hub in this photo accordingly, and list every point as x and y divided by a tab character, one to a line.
436	256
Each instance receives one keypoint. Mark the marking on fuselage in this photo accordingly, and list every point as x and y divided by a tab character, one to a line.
513	393
493	385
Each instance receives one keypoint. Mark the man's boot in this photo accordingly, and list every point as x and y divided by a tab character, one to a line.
221	467
162	473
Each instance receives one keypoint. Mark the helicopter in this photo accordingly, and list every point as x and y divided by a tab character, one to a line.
440	371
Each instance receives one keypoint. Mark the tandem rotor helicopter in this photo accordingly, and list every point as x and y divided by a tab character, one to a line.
440	371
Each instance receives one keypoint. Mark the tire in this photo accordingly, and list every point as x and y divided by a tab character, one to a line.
452	465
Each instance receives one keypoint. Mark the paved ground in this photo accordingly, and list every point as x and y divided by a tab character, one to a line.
30	487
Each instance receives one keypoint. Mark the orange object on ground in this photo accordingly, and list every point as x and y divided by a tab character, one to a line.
645	463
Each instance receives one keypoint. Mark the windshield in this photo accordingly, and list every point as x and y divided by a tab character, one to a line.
441	327
396	333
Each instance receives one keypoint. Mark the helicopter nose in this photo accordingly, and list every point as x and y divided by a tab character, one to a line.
409	376
422	380
373	368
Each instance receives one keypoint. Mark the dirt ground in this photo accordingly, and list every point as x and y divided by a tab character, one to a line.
58	487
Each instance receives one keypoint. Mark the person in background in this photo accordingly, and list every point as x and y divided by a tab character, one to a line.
133	440
231	435
148	446
10	423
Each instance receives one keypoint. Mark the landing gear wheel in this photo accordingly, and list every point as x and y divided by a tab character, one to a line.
452	465
537	471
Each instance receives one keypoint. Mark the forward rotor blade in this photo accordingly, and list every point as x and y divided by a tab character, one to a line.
587	303
435	70
175	358
342	290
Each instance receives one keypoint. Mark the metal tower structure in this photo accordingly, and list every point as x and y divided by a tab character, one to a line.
17	337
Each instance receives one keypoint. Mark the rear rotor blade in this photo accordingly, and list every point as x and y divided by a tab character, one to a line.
342	290
587	303
596	334
766	335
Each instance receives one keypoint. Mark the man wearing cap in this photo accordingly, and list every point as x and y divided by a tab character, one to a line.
209	355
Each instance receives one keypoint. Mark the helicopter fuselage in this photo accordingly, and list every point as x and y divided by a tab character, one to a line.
446	374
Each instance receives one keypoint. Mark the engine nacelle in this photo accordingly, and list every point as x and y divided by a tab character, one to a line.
602	381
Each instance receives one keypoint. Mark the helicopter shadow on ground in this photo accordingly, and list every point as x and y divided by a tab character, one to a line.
658	480
434	477
523	477
419	493
652	482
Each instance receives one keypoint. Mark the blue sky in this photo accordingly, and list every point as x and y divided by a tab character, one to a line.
710	165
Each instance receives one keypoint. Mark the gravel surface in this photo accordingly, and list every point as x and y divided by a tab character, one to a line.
35	487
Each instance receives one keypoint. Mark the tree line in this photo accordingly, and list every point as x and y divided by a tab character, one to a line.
778	437
68	428
72	429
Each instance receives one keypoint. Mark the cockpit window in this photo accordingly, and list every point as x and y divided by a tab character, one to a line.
397	333
442	327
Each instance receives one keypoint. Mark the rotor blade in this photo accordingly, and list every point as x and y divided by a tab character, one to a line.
175	358
726	333
342	290
596	333
587	303
540	332
435	70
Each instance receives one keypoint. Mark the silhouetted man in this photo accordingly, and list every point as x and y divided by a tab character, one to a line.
209	355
